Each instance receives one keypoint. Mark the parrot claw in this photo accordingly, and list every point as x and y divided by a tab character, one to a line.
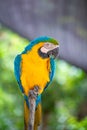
34	93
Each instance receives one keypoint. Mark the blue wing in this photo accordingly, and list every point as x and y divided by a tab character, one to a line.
17	70
52	63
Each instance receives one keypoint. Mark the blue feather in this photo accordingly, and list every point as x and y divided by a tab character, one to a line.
17	71
52	63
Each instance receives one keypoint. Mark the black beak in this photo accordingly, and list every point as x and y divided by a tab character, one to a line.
54	52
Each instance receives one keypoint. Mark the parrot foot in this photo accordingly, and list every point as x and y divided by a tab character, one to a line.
34	93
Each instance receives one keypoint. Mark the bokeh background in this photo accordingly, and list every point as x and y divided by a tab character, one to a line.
64	103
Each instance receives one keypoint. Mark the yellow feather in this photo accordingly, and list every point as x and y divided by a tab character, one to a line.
26	115
38	115
34	70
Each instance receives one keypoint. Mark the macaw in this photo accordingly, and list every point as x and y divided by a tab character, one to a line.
35	67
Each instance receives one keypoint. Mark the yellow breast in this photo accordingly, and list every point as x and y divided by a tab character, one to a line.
34	70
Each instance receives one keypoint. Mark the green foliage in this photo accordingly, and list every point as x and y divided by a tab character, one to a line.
11	113
61	100
64	96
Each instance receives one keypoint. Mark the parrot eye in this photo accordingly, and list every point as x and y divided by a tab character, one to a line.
47	45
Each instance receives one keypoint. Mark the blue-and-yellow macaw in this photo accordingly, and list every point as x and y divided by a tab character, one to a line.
35	67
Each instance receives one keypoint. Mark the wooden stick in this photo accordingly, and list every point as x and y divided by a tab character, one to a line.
32	113
32	104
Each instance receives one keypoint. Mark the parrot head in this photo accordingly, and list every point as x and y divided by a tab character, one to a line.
50	48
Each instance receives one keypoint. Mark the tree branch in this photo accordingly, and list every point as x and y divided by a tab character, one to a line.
32	104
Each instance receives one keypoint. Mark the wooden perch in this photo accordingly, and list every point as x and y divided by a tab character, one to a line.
32	104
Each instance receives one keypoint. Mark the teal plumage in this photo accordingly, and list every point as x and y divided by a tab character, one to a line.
17	71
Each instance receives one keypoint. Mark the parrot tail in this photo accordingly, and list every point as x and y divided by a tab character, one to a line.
37	116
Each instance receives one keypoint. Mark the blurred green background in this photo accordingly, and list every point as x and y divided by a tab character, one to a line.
64	102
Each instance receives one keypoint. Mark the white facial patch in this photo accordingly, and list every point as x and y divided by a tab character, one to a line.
44	50
48	47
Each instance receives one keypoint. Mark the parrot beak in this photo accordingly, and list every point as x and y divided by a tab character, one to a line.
54	53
